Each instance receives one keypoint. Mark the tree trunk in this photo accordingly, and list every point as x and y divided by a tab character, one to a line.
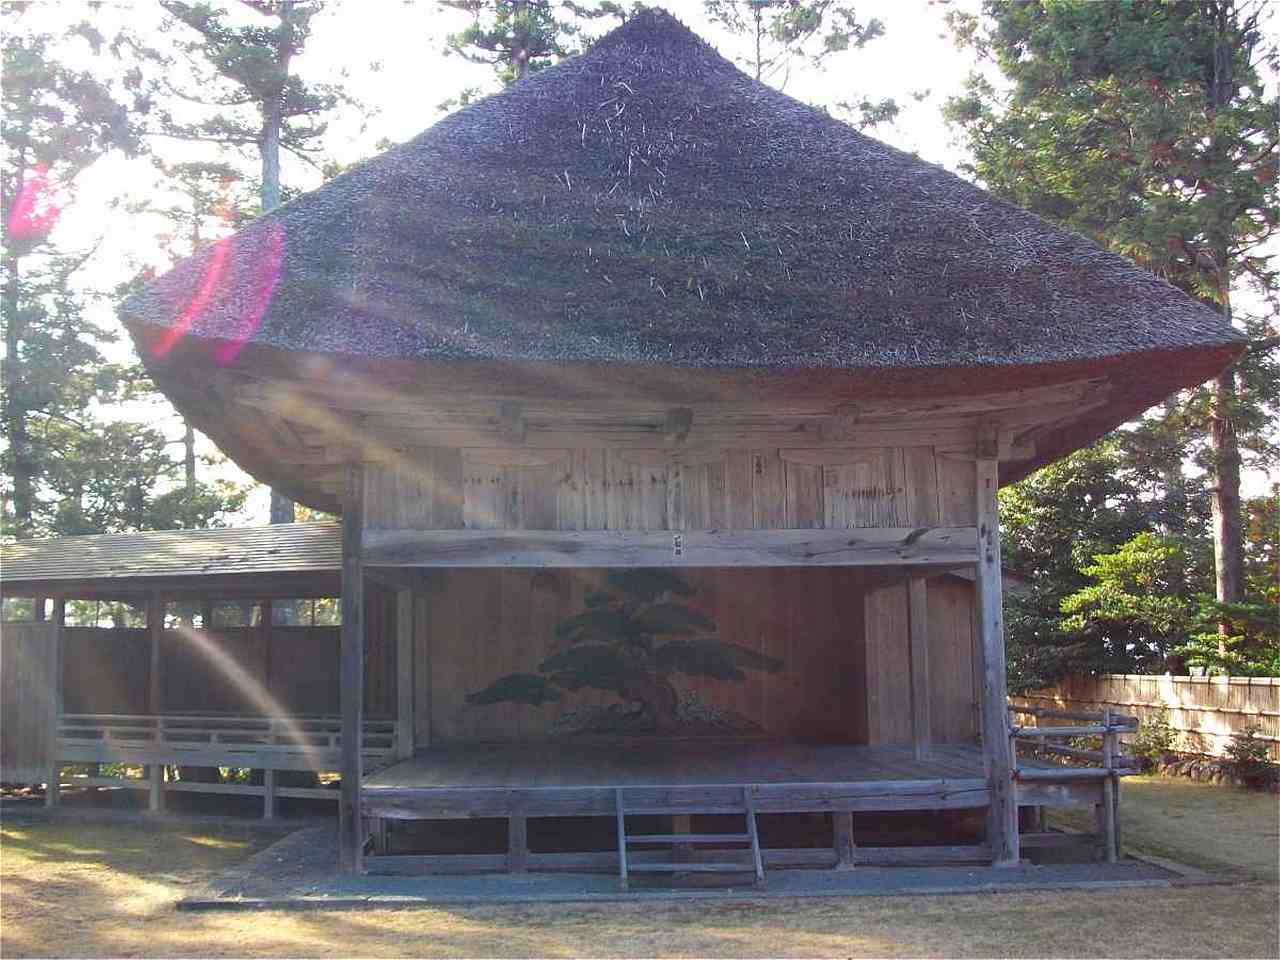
189	456
658	697
15	403
1228	544
282	510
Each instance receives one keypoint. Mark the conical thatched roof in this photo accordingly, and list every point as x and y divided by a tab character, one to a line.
649	203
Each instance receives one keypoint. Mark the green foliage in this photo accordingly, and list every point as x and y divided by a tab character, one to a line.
519	37
1147	126
1155	737
69	468
711	658
245	76
1248	758
517	688
1139	591
783	32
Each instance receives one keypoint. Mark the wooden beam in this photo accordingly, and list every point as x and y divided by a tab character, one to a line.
350	831
918	630
904	546
404	674
996	748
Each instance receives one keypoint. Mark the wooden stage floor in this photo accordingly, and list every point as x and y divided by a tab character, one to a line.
669	763
573	778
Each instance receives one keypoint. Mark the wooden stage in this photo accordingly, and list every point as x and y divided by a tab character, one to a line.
575	778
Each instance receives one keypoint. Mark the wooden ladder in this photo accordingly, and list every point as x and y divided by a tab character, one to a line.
749	836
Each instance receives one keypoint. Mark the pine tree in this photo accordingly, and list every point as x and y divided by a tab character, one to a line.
252	97
1147	125
58	121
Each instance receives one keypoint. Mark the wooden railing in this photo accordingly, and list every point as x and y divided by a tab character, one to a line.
1084	763
268	744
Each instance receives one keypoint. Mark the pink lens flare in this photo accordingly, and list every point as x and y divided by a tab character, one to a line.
257	282
36	208
200	302
265	276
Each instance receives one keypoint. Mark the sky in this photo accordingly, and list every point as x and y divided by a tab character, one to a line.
389	55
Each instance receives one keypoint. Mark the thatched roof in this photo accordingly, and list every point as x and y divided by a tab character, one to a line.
648	203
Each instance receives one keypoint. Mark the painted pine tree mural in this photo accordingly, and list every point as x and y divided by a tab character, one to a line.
635	637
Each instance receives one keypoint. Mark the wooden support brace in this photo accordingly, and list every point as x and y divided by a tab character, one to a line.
268	794
517	843
846	848
155	788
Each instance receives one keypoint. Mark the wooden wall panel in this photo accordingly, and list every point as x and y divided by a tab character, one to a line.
888	666
482	625
28	669
105	670
674	488
213	671
302	669
954	694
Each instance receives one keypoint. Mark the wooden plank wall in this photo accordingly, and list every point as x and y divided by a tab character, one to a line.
231	670
475	626
1204	712
669	489
27	669
953	662
105	670
941	492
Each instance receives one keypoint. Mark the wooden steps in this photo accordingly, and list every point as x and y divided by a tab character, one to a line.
750	837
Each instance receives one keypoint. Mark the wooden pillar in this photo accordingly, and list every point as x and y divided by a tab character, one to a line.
517	841
350	829
404	674
268	794
842	837
155	628
918	630
681	823
1107	811
996	748
53	778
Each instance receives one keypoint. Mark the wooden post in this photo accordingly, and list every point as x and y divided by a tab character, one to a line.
53	778
842	830
918	629
681	823
350	831
404	674
517	842
155	628
1108	811
268	794
996	747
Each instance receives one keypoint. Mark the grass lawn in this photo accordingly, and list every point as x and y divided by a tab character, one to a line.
109	889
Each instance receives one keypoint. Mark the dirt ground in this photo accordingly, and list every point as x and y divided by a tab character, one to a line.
109	889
